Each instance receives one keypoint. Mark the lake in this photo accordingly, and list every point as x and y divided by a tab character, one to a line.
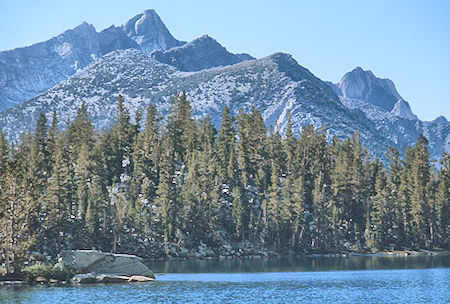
361	279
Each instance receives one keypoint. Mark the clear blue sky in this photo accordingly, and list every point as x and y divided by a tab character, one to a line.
406	41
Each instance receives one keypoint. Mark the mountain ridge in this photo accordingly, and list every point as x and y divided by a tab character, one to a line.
275	85
86	72
28	71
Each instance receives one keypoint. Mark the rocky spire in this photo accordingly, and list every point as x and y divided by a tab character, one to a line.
149	32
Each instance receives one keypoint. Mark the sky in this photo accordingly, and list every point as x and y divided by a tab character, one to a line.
405	41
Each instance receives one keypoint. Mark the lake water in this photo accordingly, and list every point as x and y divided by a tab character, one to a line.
416	279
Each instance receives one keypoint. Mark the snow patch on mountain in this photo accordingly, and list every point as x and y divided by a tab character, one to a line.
275	85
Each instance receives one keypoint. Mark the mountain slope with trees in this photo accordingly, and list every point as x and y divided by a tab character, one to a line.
171	188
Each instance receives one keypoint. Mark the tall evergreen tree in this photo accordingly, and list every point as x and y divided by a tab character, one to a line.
443	201
57	203
16	216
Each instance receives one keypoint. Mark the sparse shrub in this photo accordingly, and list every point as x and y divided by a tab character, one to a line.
49	272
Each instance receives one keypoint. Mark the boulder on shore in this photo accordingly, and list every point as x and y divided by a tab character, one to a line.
93	263
84	278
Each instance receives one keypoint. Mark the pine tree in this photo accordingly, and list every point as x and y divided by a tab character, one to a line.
57	203
166	201
443	201
181	127
16	216
359	191
146	171
420	206
378	221
118	204
53	136
274	206
39	167
225	146
393	187
227	168
292	210
83	173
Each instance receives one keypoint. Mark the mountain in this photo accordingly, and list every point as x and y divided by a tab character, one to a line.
28	71
201	53
114	38
149	32
142	61
275	85
378	100
404	131
365	86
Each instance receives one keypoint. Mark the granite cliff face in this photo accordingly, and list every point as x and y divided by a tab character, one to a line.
26	72
363	85
402	109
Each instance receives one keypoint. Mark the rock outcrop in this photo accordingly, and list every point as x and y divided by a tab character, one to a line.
101	267
149	32
365	86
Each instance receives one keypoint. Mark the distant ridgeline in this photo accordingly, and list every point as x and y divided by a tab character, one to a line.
155	188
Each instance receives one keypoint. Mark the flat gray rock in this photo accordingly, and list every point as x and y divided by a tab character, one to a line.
93	261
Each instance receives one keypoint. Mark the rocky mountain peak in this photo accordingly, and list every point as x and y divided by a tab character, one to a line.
441	119
364	85
403	110
149	32
199	54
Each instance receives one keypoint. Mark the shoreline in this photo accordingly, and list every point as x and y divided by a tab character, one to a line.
402	254
260	255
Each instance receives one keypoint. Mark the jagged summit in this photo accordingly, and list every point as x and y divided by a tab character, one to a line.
149	32
199	54
364	85
28	71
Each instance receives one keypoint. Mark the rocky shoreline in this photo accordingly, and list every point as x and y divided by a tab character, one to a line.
96	267
86	267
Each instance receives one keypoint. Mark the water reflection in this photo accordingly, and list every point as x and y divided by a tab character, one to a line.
295	264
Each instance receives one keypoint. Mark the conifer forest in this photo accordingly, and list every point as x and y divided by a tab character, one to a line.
150	184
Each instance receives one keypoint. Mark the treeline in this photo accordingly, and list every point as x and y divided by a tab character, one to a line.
150	184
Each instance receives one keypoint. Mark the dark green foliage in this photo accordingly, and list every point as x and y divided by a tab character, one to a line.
49	272
182	183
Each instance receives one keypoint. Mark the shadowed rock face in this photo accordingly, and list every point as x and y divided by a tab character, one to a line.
92	261
114	38
199	54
